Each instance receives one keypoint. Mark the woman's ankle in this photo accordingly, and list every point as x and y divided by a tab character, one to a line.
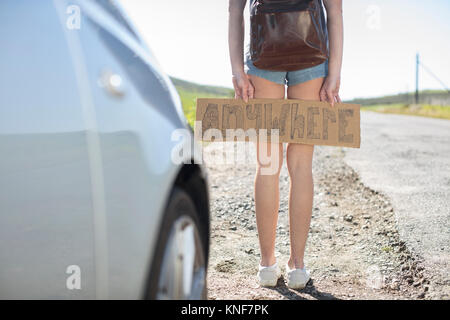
295	263
267	261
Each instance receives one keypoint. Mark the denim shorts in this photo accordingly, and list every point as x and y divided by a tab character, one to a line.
289	78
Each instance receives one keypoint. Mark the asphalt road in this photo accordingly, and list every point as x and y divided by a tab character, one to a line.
408	159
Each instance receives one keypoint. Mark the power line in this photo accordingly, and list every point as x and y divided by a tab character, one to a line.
418	64
433	75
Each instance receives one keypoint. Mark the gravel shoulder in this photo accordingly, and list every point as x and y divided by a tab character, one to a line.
354	250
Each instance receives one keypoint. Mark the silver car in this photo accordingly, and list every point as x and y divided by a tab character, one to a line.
93	202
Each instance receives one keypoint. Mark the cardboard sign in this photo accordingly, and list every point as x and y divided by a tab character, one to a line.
298	121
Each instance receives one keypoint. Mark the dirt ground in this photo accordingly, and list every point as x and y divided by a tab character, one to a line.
353	250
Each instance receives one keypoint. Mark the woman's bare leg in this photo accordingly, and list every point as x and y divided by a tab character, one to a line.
299	162
267	185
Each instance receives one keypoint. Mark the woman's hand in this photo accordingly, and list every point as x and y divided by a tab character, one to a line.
243	88
330	90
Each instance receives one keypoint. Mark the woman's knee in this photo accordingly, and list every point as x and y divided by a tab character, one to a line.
299	158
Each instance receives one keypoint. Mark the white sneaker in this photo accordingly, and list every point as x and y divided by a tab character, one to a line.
268	276
297	278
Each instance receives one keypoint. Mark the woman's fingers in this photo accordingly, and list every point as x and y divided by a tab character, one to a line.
236	88
237	93
330	91
330	96
251	91
326	94
251	88
245	92
243	89
323	95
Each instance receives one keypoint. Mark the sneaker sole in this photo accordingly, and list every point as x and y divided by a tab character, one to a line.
298	286
268	283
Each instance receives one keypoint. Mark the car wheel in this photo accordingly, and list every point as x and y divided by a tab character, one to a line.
179	264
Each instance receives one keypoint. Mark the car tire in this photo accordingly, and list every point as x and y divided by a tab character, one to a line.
179	264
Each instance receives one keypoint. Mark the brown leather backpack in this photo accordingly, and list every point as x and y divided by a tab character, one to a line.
288	35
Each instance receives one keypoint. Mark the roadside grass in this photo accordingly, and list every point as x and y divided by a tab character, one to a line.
189	92
189	100
404	98
424	110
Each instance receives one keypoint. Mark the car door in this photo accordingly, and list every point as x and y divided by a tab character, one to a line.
136	116
48	189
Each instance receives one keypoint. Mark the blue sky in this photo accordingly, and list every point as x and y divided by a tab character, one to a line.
189	38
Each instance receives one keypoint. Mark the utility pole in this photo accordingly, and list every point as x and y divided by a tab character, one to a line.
417	78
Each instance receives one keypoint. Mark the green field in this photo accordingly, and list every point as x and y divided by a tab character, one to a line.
425	97
424	110
404	104
189	92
